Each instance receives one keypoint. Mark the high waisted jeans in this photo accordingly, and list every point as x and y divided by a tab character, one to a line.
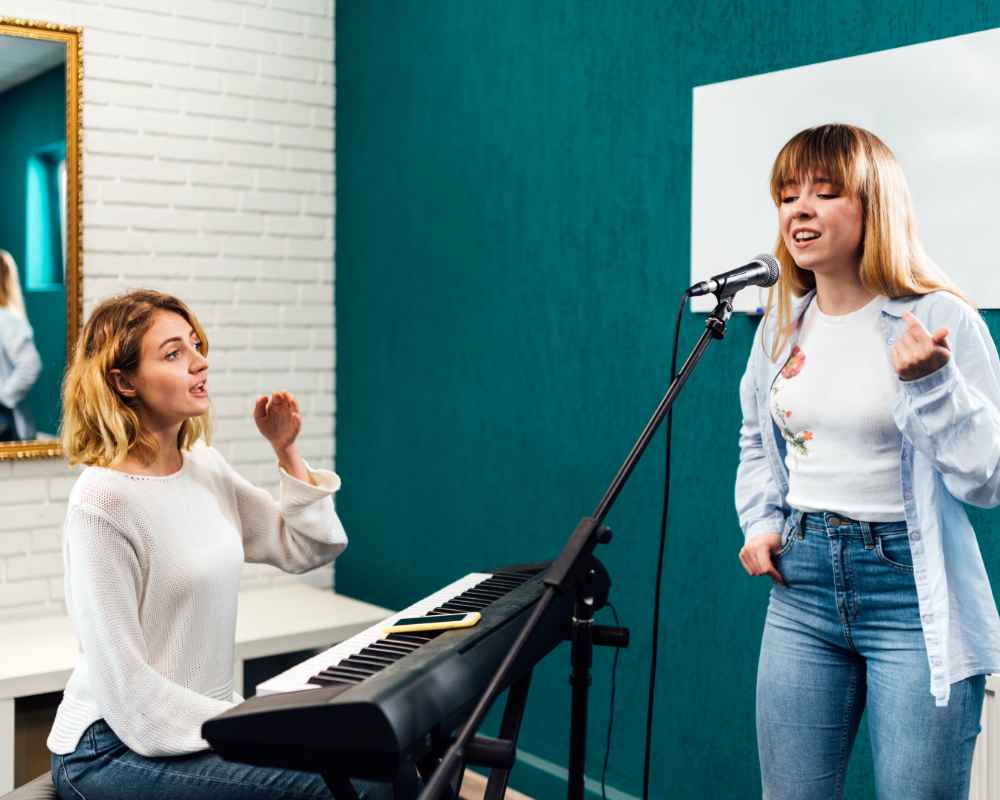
844	633
103	768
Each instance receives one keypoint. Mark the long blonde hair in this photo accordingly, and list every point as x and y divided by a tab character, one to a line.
100	426
10	285
892	259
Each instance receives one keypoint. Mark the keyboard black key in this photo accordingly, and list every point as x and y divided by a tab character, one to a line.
360	665
317	680
343	671
485	597
387	650
461	605
384	660
421	637
331	673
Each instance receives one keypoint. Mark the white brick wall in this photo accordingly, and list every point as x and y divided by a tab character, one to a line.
209	173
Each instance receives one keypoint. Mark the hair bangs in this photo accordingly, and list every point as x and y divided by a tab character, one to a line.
833	152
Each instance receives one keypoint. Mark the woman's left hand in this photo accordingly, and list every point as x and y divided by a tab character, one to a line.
278	419
918	352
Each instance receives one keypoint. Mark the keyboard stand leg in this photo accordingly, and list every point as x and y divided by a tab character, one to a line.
510	727
340	787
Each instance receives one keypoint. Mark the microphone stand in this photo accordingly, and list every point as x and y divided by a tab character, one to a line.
570	570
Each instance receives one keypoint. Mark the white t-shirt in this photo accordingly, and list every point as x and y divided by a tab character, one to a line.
152	585
832	402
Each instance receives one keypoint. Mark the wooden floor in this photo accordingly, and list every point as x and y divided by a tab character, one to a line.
474	786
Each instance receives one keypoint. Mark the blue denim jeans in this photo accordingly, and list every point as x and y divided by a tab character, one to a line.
103	768
842	634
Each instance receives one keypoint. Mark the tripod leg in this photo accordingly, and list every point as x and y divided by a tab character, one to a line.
510	727
582	658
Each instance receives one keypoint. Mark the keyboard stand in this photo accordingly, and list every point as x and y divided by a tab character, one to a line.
499	754
407	784
340	787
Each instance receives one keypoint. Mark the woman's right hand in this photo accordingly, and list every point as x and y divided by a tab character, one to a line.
755	555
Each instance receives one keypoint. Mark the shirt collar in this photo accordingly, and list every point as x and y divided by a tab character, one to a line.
893	306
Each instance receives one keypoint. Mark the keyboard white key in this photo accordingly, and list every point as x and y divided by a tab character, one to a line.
295	679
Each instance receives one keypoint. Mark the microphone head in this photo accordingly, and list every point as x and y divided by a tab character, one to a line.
773	268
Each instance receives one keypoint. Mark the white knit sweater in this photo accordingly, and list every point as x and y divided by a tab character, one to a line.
152	585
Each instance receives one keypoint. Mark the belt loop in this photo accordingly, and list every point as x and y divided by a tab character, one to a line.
866	532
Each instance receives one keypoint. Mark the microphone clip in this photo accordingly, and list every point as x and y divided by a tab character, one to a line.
716	322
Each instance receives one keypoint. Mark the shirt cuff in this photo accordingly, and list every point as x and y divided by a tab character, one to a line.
298	492
770	525
939	377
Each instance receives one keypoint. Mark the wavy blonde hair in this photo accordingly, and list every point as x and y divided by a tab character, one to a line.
101	427
892	261
10	285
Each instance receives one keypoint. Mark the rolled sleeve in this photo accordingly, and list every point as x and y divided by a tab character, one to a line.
951	416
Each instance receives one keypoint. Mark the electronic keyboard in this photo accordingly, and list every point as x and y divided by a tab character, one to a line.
377	703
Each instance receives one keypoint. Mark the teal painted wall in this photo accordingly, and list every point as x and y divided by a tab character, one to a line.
34	116
513	215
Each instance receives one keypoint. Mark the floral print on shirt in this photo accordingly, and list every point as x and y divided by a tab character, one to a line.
796	361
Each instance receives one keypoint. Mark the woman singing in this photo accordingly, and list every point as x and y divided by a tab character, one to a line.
157	529
870	415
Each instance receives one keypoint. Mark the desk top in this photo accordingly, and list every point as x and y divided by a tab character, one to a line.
39	653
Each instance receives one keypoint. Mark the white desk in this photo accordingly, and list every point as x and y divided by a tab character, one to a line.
39	654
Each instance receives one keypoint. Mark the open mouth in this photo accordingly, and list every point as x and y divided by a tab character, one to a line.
802	237
200	389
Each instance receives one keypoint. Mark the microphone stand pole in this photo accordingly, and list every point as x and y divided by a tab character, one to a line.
569	571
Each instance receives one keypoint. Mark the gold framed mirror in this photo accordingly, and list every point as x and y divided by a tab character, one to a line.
41	78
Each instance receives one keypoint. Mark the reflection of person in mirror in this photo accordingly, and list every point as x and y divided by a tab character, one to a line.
19	361
871	415
157	529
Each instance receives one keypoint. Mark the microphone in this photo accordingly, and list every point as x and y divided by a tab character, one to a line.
762	271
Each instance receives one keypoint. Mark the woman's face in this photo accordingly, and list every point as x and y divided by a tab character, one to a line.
171	381
821	225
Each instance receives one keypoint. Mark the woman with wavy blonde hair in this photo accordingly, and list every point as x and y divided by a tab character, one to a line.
20	364
157	528
871	413
101	412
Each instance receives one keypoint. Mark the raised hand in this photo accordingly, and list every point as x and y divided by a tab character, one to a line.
918	352
278	419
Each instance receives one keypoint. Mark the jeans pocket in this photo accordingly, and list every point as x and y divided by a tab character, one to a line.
101	739
894	550
66	787
788	536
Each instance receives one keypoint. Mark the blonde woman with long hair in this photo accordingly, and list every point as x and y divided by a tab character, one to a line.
20	364
870	415
157	529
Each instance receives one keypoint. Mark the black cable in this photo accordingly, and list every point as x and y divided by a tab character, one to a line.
659	562
611	714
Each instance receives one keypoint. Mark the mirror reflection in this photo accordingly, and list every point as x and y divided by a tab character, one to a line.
33	236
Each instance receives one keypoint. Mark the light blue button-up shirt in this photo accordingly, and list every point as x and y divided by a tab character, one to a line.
949	455
19	368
